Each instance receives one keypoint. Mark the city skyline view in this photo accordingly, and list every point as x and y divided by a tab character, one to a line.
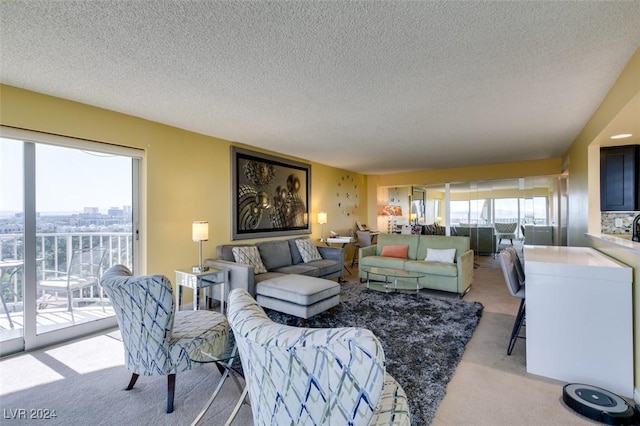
67	180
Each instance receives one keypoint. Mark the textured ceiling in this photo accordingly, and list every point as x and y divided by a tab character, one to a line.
372	87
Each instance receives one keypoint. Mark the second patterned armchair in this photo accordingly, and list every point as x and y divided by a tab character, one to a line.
307	376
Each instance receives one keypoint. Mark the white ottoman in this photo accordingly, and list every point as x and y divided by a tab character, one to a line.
298	295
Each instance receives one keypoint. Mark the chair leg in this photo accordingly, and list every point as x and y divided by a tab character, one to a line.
132	382
355	255
517	325
171	387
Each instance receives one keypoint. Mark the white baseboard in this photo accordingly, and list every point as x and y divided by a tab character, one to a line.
636	396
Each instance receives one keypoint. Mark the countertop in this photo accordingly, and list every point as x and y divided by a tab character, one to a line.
617	241
584	262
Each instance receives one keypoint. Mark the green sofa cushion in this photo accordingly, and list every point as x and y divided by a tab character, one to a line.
432	268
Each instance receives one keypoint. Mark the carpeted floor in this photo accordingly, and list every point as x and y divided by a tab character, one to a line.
423	337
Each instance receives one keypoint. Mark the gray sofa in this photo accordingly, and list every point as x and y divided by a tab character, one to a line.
290	285
279	257
454	277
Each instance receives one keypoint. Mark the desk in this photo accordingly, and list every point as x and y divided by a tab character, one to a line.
196	281
343	241
8	265
579	317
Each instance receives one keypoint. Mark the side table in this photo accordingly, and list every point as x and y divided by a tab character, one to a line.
201	280
343	241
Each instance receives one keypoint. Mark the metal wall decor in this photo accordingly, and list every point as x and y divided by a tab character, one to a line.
348	195
270	195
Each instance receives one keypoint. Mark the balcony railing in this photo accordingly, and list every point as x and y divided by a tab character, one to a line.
53	252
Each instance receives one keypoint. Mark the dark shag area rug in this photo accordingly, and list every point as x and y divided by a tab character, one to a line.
423	337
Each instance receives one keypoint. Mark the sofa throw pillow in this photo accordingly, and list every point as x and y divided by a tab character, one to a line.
249	255
308	251
441	255
401	252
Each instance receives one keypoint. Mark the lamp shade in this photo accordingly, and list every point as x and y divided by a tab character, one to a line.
322	218
200	231
414	216
391	210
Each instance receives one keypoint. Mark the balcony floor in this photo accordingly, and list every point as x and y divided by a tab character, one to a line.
53	318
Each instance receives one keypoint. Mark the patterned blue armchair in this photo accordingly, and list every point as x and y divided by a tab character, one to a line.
306	376
157	338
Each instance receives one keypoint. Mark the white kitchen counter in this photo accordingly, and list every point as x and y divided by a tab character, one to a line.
579	317
616	241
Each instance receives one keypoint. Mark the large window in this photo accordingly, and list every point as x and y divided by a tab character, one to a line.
68	211
506	210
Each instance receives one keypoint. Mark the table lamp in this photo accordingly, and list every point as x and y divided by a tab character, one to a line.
322	219
200	233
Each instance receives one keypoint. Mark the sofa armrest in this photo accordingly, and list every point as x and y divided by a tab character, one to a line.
367	251
332	253
465	270
240	275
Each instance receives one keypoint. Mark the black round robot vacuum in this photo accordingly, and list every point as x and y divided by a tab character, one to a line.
599	404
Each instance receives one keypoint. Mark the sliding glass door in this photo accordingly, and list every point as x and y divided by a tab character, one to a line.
69	213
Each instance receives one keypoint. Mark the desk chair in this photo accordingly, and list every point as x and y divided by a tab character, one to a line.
363	240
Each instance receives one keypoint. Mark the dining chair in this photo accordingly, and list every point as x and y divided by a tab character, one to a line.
516	289
84	270
158	340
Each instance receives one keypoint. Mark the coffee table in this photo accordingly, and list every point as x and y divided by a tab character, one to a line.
227	362
392	273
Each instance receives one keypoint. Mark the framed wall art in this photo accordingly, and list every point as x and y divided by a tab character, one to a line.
269	195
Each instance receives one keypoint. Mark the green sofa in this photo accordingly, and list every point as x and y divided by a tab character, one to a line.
453	277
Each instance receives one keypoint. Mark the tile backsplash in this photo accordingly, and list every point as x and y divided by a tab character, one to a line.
608	222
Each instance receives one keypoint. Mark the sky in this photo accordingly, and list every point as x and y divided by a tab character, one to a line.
67	180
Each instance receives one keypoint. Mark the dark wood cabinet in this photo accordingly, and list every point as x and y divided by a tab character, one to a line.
619	178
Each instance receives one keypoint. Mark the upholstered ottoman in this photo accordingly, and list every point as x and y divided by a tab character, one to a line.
298	295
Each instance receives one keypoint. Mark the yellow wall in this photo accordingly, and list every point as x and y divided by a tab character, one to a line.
186	176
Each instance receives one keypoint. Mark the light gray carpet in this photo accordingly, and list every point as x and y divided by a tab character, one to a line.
84	383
